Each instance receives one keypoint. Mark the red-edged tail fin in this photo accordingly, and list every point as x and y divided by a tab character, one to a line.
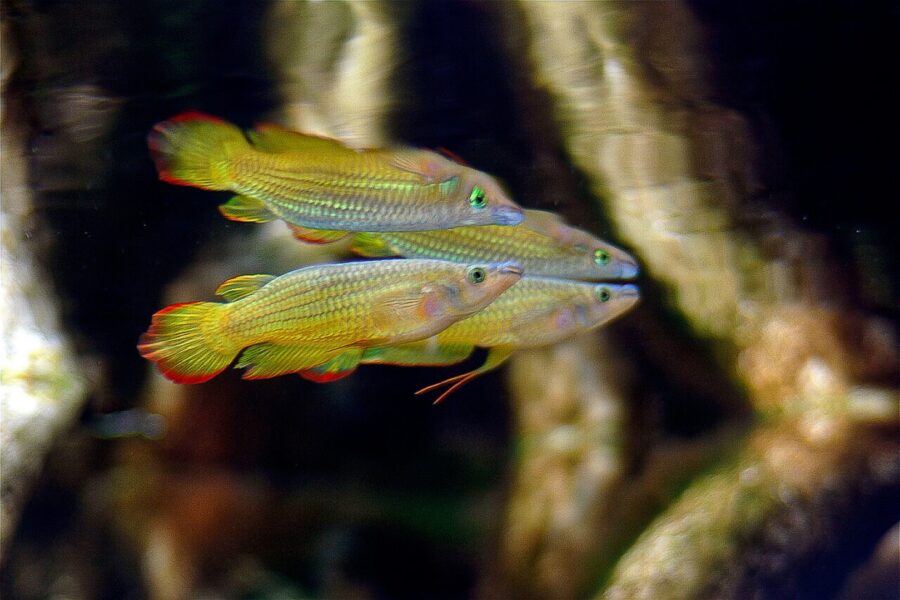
195	149
179	342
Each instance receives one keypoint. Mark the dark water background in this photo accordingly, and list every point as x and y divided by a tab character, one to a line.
814	79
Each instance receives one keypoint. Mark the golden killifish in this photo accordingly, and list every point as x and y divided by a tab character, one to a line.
321	187
535	312
543	244
306	317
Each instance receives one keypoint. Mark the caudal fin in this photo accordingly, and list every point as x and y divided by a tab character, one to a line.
196	149
179	341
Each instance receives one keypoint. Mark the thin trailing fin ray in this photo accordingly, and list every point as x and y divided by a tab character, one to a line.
496	356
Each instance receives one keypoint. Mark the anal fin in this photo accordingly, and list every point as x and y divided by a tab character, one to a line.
270	360
371	245
426	353
316	236
246	210
338	367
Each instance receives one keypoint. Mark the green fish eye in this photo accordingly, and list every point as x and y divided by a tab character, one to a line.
476	275
476	198
603	294
601	257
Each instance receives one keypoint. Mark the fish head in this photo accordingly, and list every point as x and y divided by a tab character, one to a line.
595	258
610	301
558	309
483	201
580	254
473	287
606	261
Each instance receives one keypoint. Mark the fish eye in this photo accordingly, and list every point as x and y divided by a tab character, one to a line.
477	198
603	294
475	275
601	257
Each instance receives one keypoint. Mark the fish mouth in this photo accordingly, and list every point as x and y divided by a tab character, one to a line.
512	269
629	269
507	215
630	292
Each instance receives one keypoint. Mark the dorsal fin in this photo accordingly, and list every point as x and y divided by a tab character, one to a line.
452	156
371	245
246	210
273	138
543	221
554	226
242	286
316	236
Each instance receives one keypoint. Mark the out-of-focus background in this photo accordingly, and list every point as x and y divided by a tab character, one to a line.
734	437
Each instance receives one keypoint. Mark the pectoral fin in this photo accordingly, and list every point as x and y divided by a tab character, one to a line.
426	305
431	167
452	156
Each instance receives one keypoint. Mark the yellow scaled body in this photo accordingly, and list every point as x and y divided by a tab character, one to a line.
543	244
317	184
537	311
306	317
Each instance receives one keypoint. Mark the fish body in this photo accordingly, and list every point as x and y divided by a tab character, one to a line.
536	312
320	184
543	244
309	316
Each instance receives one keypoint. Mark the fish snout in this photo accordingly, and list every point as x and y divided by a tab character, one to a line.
507	215
630	293
629	268
511	268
